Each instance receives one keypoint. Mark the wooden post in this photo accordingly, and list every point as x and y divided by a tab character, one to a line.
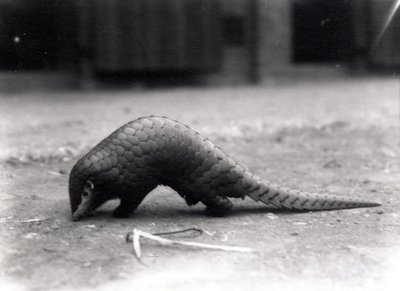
85	15
252	38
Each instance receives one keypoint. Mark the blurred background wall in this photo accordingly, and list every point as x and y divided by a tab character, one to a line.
215	41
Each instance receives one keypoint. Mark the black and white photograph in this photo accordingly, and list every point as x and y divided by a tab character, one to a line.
187	145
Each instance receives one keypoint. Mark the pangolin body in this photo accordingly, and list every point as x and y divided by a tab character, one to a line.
152	151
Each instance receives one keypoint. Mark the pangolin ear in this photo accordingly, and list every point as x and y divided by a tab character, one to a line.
89	186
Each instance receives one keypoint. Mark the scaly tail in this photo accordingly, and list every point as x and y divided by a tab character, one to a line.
284	198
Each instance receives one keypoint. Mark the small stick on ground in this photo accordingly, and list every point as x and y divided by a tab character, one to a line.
193	229
167	242
34	220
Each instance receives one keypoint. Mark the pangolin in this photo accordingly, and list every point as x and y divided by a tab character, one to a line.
152	151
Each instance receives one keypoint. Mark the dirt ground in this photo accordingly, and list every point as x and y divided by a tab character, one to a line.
339	136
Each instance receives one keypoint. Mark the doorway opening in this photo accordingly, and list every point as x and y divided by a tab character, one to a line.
322	31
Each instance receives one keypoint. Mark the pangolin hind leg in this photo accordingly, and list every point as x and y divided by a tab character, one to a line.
217	205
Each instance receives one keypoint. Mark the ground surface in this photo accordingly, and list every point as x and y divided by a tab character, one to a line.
338	136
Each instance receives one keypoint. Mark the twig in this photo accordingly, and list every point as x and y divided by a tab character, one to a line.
34	220
129	235
198	230
163	241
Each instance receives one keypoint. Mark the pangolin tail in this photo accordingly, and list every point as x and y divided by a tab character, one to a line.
284	198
